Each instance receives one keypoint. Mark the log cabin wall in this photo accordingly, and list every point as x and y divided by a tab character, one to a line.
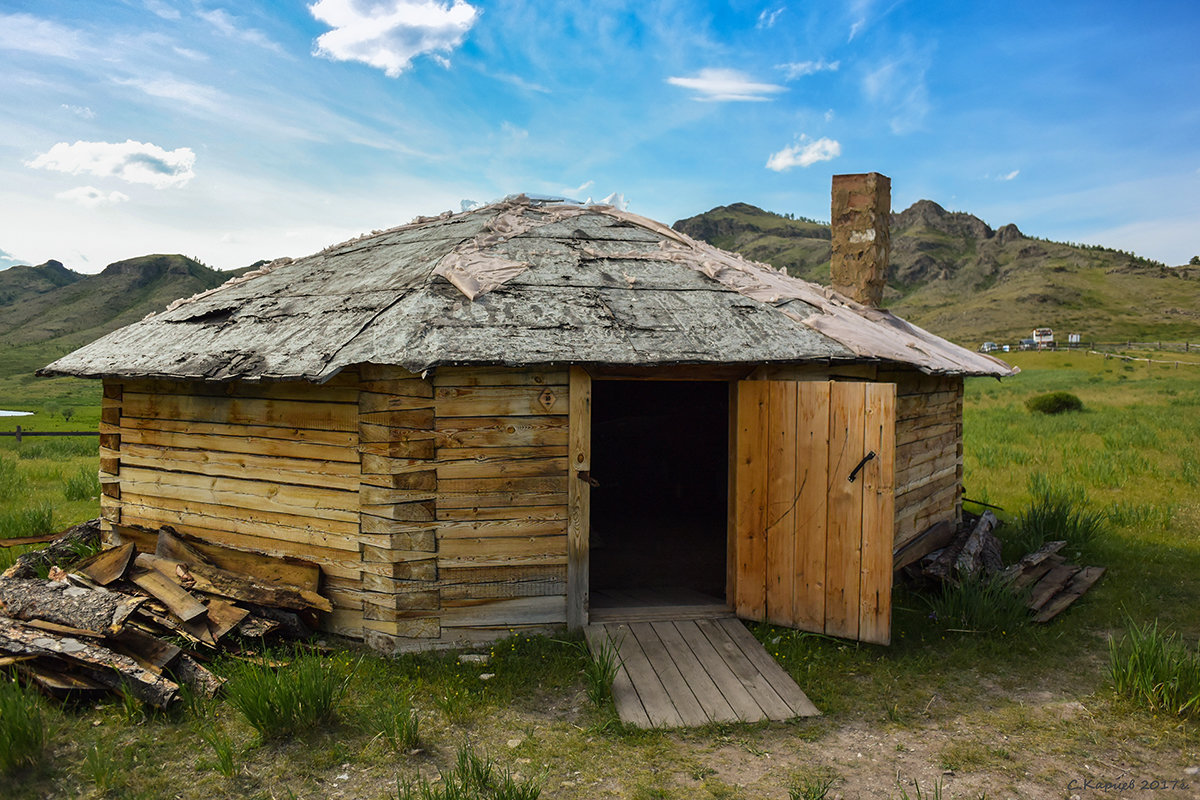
929	450
266	467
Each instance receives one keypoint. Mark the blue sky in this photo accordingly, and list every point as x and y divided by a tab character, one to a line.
238	131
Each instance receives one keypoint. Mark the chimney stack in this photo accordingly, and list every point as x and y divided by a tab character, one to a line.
860	217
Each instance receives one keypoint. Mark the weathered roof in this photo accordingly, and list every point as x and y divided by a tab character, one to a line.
515	283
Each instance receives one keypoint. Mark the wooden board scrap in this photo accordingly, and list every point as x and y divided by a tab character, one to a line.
170	593
108	565
1080	582
213	580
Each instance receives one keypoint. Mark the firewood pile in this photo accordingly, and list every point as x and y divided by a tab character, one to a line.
144	614
944	554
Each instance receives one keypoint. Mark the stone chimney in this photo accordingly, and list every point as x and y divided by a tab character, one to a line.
860	216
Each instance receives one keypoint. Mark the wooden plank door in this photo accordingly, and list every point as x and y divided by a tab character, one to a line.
812	548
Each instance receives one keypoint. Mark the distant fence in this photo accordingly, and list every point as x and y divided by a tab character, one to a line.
20	434
1123	357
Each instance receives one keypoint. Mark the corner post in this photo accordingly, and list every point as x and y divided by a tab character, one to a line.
579	460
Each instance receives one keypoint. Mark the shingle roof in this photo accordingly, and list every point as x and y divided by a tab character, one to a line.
515	283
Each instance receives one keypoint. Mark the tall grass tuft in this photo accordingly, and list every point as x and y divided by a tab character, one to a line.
22	727
12	482
285	701
600	665
58	448
473	777
1054	513
1156	670
979	604
34	521
397	724
83	485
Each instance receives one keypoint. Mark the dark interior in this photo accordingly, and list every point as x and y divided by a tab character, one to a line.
658	515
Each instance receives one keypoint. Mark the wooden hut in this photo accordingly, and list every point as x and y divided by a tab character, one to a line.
483	422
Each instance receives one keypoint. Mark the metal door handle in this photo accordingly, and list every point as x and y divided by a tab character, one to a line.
861	464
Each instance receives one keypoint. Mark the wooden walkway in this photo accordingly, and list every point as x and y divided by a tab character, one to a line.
683	672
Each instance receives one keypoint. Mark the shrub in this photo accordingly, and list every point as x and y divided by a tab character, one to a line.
978	604
1054	403
22	727
281	702
1156	670
473	777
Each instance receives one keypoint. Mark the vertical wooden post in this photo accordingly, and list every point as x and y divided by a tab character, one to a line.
579	492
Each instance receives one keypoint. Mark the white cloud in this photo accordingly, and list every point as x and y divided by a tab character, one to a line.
726	84
33	35
768	16
798	69
829	115
804	153
578	190
79	111
230	26
194	55
389	34
192	94
1009	176
899	89
161	9
91	197
135	162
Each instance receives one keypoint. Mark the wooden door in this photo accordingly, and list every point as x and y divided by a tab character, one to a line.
813	511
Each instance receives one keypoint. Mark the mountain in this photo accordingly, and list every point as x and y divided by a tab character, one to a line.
48	310
952	273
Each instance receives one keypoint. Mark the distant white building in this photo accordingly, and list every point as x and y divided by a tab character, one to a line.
1043	338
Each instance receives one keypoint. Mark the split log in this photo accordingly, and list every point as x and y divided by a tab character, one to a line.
146	647
189	671
114	670
64	550
213	580
981	550
97	612
1033	566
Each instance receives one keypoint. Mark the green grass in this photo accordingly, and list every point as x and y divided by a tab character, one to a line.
1157	670
23	736
473	777
288	700
978	604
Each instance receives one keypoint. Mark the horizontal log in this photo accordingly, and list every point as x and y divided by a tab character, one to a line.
234	520
255	439
494	549
260	390
500	401
384	372
501	528
373	402
556	511
410	387
549	610
449	455
496	467
324	474
238	411
399	448
515	485
422	511
415	419
281	498
500	500
492	376
501	431
111	391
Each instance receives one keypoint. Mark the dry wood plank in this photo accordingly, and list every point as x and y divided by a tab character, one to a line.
1053	583
934	537
500	401
673	683
501	500
629	705
491	376
646	683
214	580
769	668
1080	583
248	524
493	548
241	411
374	402
773	706
284	443
844	533
223	617
281	390
706	692
148	648
113	669
497	485
782	500
472	529
523	512
548	610
19	541
305	472
738	697
812	465
1035	573
108	565
487	466
502	431
408	387
751	499
178	600
878	517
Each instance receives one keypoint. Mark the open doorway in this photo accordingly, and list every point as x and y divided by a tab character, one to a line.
660	454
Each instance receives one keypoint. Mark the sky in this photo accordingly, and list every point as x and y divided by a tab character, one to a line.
234	132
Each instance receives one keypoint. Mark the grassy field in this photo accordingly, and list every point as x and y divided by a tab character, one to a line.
1015	712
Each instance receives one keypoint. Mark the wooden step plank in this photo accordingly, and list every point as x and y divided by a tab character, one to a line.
739	699
755	683
649	688
1051	585
715	706
780	680
629	705
1080	583
669	675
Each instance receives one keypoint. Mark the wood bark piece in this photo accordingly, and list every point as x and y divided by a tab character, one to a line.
18	541
189	671
981	550
146	647
110	668
934	537
64	550
256	627
1080	583
98	612
107	566
169	592
214	580
1051	585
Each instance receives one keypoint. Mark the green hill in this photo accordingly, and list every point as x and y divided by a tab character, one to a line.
49	310
953	274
